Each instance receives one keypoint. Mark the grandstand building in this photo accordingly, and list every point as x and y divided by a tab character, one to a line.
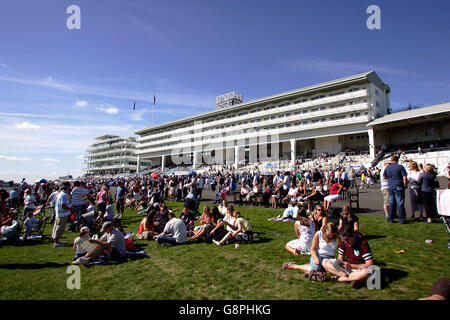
111	154
329	117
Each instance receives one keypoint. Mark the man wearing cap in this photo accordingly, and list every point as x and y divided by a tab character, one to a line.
63	211
112	243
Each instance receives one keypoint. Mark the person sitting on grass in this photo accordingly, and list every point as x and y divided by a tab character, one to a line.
109	215
352	264
112	244
229	221
30	225
216	214
223	207
146	231
161	218
440	290
323	247
243	230
335	194
319	218
304	229
348	218
10	227
207	225
174	232
82	245
188	218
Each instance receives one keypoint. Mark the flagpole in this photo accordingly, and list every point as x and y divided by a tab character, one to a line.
153	109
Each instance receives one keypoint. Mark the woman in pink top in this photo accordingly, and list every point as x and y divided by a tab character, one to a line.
335	194
102	198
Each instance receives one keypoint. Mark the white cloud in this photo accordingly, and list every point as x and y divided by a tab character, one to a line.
13	158
82	103
50	160
138	115
3	65
27	126
109	110
332	66
81	156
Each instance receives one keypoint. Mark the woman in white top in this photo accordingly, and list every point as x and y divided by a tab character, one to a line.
323	247
304	228
413	177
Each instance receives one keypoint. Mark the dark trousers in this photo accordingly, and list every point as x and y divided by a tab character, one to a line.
397	198
429	204
120	206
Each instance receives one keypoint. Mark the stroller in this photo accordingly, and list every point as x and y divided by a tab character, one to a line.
443	206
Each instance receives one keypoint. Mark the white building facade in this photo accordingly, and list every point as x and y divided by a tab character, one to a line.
330	117
111	154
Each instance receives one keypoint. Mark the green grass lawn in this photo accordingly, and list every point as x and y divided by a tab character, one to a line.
203	271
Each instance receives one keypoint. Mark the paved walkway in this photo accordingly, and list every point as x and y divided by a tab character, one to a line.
370	200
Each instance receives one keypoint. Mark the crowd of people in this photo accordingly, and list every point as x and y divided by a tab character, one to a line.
89	207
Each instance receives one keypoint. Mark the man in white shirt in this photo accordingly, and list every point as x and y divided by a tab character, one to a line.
174	232
62	210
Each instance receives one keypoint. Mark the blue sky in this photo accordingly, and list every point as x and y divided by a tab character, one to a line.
61	88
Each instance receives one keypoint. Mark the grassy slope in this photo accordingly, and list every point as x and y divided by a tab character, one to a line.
202	271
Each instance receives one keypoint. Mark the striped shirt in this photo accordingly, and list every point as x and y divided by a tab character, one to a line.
358	255
77	196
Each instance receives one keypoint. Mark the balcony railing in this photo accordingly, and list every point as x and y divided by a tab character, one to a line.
278	121
254	135
263	113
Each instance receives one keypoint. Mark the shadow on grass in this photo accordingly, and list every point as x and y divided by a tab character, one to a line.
14	266
389	275
370	237
365	211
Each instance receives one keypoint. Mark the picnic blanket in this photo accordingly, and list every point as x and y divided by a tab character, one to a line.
33	237
131	254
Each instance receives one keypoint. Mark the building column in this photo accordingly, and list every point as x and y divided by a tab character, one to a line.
293	153
196	158
138	168
163	163
371	143
238	155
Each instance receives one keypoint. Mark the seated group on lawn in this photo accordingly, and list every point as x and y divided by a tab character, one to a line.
321	239
220	226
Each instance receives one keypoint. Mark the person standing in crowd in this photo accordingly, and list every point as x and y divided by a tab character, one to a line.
79	193
14	198
63	210
385	189
426	183
397	181
120	200
413	177
200	184
102	199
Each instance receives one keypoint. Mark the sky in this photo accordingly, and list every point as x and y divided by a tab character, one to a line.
61	88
